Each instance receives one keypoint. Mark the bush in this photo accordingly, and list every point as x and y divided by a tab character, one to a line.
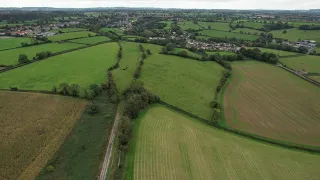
54	89
96	89
23	59
50	168
93	109
74	90
64	89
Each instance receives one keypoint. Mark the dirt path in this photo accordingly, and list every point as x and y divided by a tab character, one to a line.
107	157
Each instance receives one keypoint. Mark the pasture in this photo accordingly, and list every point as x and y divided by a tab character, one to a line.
224	34
248	31
305	63
186	83
71	35
91	40
215	25
10	57
220	52
275	51
114	30
12	42
268	101
316	78
294	34
169	145
67	30
131	56
250	24
83	67
192	54
185	25
33	127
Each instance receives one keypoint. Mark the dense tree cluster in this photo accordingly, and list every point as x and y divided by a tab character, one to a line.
260	56
119	56
43	55
309	27
76	91
139	68
111	87
23	59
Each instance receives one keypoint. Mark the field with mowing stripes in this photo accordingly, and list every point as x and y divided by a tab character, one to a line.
10	57
10	42
71	35
33	126
169	146
91	40
306	63
268	101
186	83
83	67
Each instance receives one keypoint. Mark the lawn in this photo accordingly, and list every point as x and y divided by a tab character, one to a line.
169	145
294	34
11	42
91	40
131	55
33	127
306	63
115	30
248	31
83	67
266	100
222	34
71	35
275	51
185	25
215	25
186	83
82	154
10	57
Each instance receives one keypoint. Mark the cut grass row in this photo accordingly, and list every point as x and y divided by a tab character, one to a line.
33	126
83	67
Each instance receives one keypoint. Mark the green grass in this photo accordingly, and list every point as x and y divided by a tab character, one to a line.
188	25
246	30
275	51
169	145
72	35
10	57
294	34
215	25
220	52
306	63
186	83
168	24
83	67
251	24
115	30
222	34
192	54
131	54
91	40
7	43
69	30
82	154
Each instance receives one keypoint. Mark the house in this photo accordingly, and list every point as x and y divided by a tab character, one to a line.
310	44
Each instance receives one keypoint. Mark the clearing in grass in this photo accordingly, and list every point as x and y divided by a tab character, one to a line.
83	67
223	34
71	35
91	40
10	57
185	83
169	145
33	126
12	42
268	101
309	64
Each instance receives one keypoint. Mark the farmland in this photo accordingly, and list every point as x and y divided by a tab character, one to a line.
265	100
294	34
275	51
71	35
250	24
305	63
10	57
220	52
66	30
247	30
215	25
115	30
91	40
185	83
188	25
11	42
172	146
223	34
33	126
83	67
192	54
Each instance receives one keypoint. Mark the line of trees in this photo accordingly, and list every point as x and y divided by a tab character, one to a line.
119	56
111	87
309	27
256	54
76	91
23	58
143	57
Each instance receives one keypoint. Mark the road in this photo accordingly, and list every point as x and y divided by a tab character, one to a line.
107	157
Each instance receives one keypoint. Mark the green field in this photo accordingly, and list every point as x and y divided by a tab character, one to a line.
71	35
275	51
192	54
306	63
115	30
10	42
248	31
215	25
294	34
186	83
223	34
220	52
185	25
169	145
91	40
10	57
316	78
268	101
251	24
66	30
83	67
123	76
168	24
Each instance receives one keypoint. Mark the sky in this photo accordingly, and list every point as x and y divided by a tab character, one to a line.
185	4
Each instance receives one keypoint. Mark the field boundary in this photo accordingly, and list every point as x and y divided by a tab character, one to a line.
305	148
40	43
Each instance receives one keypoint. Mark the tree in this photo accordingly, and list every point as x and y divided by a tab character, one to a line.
54	89
147	33
170	46
303	49
183	53
74	90
284	31
23	59
64	89
95	89
148	51
24	44
209	27
93	109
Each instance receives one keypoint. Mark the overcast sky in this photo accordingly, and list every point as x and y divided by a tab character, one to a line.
203	4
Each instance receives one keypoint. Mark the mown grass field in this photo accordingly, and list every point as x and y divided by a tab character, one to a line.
131	55
185	25
278	52
115	30
169	145
33	126
71	35
82	154
10	57
83	67
7	43
268	101
91	40
251	24
306	63
247	30
186	83
215	25
223	34
294	34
